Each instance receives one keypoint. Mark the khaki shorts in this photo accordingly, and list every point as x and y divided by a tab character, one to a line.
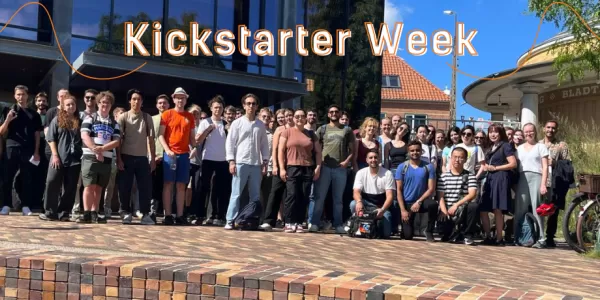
95	172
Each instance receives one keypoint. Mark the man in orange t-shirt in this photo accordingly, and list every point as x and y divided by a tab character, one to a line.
177	138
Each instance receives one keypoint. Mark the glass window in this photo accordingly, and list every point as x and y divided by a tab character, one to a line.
22	34
27	17
300	21
181	13
271	13
91	18
78	46
253	26
415	120
132	11
270	71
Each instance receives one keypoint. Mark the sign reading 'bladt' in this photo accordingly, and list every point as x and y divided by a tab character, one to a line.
572	93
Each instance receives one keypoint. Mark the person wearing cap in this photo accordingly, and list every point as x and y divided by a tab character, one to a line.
176	135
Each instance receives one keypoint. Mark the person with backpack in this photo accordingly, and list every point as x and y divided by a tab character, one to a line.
100	134
211	137
137	139
338	143
457	188
299	157
415	184
247	151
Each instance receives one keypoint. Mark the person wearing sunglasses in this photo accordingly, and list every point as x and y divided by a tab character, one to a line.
475	154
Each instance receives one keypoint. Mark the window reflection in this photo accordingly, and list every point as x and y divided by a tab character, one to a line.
91	18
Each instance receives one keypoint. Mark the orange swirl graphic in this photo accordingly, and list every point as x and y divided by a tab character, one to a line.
60	47
520	65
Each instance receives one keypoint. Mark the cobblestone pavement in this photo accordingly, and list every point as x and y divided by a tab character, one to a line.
558	271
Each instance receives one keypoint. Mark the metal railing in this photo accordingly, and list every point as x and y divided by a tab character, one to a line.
446	124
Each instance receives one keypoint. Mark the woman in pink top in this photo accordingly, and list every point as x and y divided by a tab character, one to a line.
299	157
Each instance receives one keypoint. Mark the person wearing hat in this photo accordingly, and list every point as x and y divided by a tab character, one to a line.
176	135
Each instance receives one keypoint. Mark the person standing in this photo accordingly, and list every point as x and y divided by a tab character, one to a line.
39	174
177	138
22	127
100	134
135	158
247	149
162	104
338	143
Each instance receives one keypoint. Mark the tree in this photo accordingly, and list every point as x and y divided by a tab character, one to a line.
583	53
118	33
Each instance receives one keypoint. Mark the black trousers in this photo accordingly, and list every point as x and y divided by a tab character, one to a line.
39	174
265	189
299	180
64	178
277	193
16	159
467	222
222	178
428	206
196	178
156	206
136	167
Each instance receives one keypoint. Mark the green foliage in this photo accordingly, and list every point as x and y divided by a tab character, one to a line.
583	53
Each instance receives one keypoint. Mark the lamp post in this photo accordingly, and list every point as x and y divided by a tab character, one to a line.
455	66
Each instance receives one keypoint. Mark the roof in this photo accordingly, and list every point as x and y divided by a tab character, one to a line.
413	86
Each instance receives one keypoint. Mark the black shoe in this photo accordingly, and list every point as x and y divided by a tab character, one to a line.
550	243
85	218
488	241
64	216
168	220
153	217
48	217
181	220
97	219
445	239
429	237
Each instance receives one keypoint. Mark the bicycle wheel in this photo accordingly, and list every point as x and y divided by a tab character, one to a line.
580	200
588	226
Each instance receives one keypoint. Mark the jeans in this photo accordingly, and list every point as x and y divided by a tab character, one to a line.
386	229
299	180
336	177
136	167
246	174
64	178
16	159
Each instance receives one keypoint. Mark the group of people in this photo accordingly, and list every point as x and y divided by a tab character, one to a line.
303	176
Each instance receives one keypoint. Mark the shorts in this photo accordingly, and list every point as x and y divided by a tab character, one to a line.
94	171
182	173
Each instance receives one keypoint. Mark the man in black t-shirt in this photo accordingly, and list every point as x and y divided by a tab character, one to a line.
22	127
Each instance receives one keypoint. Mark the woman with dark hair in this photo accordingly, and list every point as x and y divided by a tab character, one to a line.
429	149
496	196
65	165
452	139
395	153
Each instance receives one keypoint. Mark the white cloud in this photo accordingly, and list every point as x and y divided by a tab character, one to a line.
395	12
90	30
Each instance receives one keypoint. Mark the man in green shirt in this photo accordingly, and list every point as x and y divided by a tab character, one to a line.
338	147
162	104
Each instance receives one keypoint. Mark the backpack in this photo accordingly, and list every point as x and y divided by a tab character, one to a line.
209	120
364	225
405	169
249	217
528	230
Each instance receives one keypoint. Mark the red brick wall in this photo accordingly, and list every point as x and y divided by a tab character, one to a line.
439	111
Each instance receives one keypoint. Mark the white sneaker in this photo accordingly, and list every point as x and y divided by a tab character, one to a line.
340	230
5	211
26	211
139	214
313	228
127	219
266	227
228	227
146	220
289	228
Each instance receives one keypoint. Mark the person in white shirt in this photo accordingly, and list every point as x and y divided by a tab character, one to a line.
533	172
247	151
374	188
475	153
429	150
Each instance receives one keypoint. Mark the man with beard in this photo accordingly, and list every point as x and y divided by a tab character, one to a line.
39	174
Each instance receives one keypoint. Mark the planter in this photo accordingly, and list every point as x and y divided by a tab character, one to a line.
589	183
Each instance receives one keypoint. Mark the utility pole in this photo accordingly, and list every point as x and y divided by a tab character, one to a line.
454	66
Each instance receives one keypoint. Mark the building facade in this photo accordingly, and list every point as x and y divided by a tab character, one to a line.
407	93
91	35
533	93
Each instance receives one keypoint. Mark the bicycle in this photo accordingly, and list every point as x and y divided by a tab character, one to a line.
589	193
588	226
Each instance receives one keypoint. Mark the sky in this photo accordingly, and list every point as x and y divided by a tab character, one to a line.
505	32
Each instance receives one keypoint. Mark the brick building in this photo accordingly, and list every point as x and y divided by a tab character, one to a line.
406	92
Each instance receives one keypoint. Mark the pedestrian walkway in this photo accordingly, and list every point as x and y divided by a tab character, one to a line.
304	261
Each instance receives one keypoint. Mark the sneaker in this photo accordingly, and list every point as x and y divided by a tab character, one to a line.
64	217
74	217
5	211
181	220
313	228
489	241
469	241
289	228
139	214
127	218
210	221
550	243
279	224
48	217
327	226
98	219
299	229
26	211
429	237
266	227
228	226
153	217
85	218
340	230
540	245
169	220
147	220
108	213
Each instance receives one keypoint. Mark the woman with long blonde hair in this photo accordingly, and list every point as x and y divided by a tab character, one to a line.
64	140
367	141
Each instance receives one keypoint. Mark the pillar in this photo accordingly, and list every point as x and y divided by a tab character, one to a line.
287	20
529	101
59	75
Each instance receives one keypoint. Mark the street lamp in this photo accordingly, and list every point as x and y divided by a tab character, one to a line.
455	66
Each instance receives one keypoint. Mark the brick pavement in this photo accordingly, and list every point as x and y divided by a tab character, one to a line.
445	269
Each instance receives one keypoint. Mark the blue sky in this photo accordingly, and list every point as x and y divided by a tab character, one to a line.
506	31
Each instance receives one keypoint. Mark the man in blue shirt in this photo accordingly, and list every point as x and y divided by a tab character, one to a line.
415	181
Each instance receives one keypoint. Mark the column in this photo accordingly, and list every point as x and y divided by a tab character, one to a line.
529	101
59	76
287	20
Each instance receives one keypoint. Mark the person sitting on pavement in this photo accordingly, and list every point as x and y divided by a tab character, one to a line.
456	188
374	190
415	181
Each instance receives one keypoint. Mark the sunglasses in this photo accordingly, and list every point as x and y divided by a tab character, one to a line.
478	137
90	97
334	111
299	117
251	103
467	134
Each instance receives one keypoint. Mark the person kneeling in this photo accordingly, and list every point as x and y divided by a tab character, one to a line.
456	189
373	190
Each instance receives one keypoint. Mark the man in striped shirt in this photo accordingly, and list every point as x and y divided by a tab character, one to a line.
456	189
